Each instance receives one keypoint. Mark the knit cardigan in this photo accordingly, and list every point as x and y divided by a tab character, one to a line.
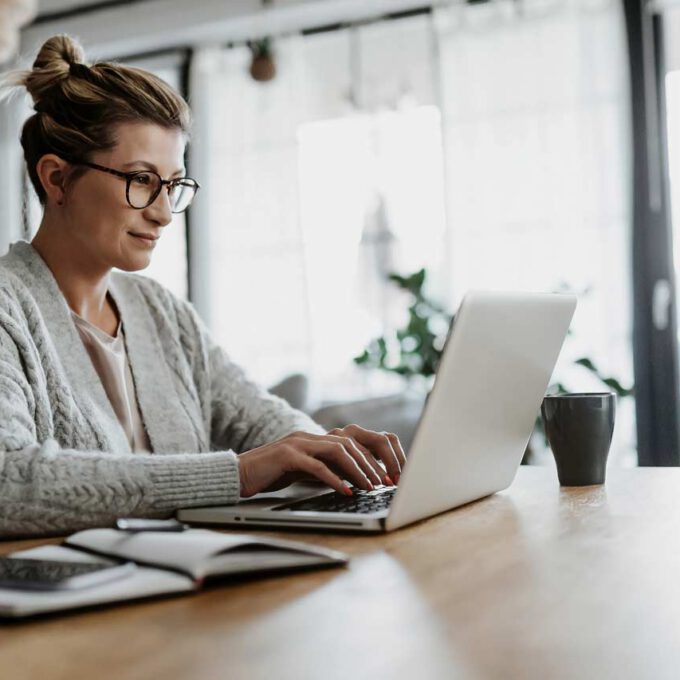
65	462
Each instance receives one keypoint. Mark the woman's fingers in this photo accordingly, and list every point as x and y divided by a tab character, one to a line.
398	449
361	455
380	470
372	461
380	445
348	453
316	468
330	449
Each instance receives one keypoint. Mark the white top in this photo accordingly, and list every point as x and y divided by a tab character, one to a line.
109	357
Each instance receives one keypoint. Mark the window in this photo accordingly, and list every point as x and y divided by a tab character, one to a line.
673	122
536	115
488	142
372	203
321	182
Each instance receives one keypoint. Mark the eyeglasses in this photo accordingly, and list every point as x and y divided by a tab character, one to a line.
143	186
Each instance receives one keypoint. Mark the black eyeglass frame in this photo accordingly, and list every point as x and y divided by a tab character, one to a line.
129	176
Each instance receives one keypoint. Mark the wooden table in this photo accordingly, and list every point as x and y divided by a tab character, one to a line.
534	582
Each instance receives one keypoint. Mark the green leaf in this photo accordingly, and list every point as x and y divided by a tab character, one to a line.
557	388
399	280
587	363
416	350
617	387
382	349
419	279
363	358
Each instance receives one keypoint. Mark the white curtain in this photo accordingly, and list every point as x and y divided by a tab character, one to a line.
257	301
12	114
489	143
536	107
321	182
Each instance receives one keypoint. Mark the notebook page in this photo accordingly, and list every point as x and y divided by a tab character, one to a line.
187	551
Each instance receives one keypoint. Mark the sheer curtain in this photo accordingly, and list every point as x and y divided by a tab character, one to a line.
257	298
489	143
536	108
322	182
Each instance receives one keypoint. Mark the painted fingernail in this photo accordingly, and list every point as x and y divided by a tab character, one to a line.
397	477
346	490
388	480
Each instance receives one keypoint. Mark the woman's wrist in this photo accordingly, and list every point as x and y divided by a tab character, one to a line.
192	480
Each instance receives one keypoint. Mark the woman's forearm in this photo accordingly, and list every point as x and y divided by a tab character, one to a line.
48	490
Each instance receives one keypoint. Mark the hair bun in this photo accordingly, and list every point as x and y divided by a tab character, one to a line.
52	65
59	48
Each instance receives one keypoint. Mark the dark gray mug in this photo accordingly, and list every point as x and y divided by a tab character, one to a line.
579	429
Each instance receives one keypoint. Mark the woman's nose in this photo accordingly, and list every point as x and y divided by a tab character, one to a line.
160	211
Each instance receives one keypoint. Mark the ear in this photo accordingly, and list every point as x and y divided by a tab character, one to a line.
53	173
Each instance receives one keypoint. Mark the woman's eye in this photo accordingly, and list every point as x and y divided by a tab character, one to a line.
143	179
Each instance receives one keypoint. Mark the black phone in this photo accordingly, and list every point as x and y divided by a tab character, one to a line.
36	574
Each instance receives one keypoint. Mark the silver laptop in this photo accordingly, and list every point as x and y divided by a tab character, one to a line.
472	434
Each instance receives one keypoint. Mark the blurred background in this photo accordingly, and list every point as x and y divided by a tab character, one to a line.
364	163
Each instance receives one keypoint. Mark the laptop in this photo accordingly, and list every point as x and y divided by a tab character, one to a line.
471	436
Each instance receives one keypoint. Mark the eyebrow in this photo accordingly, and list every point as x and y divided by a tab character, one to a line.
151	166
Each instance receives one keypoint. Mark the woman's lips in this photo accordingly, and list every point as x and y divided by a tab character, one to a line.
146	239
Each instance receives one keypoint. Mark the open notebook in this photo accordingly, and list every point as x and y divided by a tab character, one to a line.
167	563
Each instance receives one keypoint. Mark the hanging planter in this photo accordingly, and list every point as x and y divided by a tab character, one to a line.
262	65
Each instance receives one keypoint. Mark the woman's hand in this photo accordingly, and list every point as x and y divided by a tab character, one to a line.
350	453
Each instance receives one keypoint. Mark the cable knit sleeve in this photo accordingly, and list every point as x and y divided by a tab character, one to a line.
46	489
243	415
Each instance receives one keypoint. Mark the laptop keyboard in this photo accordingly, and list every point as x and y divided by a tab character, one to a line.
363	502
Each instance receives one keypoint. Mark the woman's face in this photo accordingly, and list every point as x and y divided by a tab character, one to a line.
109	232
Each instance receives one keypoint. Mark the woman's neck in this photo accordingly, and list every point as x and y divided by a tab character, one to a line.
83	283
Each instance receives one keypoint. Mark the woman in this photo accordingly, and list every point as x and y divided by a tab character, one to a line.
114	400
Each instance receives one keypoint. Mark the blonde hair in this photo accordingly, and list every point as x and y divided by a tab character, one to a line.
77	105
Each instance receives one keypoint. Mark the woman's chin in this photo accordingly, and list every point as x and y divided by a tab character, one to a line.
134	263
137	252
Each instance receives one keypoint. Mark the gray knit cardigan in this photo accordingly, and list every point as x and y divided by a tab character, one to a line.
65	462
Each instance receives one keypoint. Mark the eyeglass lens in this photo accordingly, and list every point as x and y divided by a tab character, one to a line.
144	187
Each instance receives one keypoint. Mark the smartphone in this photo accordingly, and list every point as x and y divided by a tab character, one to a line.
33	574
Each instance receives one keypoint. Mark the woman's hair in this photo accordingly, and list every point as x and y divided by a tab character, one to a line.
78	105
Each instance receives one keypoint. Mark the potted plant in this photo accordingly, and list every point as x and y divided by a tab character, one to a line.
415	350
262	65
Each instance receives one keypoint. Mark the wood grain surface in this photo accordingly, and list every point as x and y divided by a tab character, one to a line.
537	581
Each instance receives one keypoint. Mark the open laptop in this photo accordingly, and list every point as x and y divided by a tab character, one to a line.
470	439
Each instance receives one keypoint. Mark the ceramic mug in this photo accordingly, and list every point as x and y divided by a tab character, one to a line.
579	428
